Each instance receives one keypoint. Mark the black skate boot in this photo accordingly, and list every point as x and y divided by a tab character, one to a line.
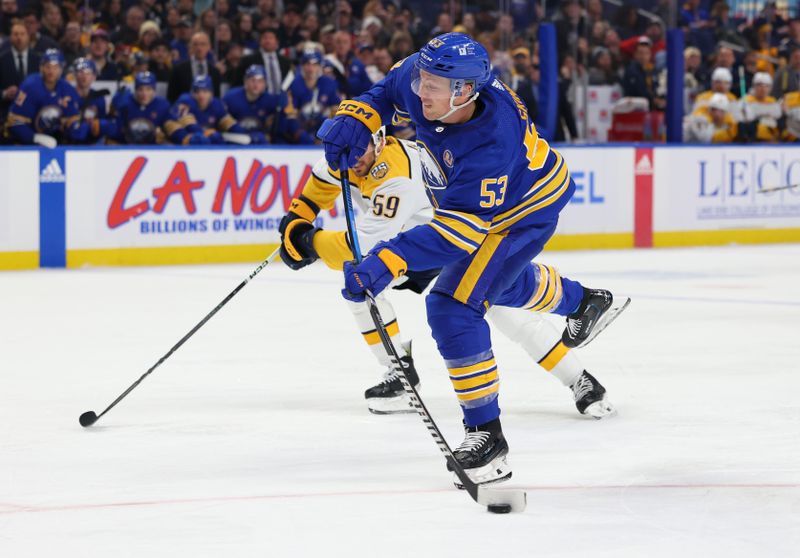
596	311
590	397
389	397
483	454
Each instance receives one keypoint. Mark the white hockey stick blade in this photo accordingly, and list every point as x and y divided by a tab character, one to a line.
239	139
517	499
606	319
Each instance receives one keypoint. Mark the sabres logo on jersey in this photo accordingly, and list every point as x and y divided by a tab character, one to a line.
434	177
379	171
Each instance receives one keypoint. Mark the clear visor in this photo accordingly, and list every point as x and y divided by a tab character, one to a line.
430	86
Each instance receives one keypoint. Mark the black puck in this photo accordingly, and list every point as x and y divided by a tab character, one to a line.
88	418
499	508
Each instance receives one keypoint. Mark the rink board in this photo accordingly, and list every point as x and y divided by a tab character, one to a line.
170	205
19	210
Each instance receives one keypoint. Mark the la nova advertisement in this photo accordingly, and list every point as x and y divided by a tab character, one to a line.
179	206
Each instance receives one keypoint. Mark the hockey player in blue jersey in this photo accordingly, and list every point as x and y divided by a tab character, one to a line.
92	103
266	117
497	189
313	94
200	118
45	110
141	115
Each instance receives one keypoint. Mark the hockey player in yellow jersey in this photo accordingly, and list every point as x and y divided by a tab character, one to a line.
387	186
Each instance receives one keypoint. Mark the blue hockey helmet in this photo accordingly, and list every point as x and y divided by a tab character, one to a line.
144	79
52	56
85	65
254	70
202	82
456	56
311	56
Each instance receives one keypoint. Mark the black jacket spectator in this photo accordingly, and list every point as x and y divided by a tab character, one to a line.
11	77
181	80
268	46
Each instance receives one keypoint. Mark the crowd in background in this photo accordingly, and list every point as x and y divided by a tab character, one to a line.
269	71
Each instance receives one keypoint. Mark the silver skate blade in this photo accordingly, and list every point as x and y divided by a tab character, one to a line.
605	320
517	499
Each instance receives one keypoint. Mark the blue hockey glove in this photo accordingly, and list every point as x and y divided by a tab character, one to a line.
215	138
348	131
198	138
373	274
258	138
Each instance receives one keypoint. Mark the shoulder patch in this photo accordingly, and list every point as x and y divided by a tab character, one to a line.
379	171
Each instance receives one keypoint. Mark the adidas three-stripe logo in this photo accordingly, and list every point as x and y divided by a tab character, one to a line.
52	172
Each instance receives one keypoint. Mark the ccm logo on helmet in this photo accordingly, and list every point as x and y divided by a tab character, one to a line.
355	109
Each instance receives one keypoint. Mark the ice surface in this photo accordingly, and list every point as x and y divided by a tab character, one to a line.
254	440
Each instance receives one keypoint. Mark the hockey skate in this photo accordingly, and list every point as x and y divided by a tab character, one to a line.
596	311
483	454
388	397
590	397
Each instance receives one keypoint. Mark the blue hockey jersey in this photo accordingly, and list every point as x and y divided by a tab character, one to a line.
140	124
490	174
270	114
186	118
38	110
314	104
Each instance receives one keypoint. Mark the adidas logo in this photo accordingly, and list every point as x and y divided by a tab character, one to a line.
644	165
52	172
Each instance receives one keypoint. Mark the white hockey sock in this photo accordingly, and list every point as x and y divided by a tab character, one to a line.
360	311
540	338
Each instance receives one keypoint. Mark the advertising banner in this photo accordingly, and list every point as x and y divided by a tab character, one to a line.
737	194
180	205
600	214
19	209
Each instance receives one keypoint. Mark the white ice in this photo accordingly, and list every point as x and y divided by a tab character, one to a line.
254	440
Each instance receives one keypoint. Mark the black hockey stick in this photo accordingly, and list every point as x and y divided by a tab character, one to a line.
498	501
90	417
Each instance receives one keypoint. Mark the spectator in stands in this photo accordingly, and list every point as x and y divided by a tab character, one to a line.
694	65
9	11
225	38
160	61
314	95
91	103
383	60
70	45
99	54
232	63
184	73
265	117
290	31
141	116
521	57
111	17
761	111
767	53
180	44
45	111
628	23
787	79
373	27
771	22
246	32
570	26
725	28
52	22
792	39
16	63
594	12
401	45
155	11
528	88
601	70
277	66
639	79
343	65
149	33
598	34
344	20
208	23
721	80
199	117
39	43
128	34
611	42
366	55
